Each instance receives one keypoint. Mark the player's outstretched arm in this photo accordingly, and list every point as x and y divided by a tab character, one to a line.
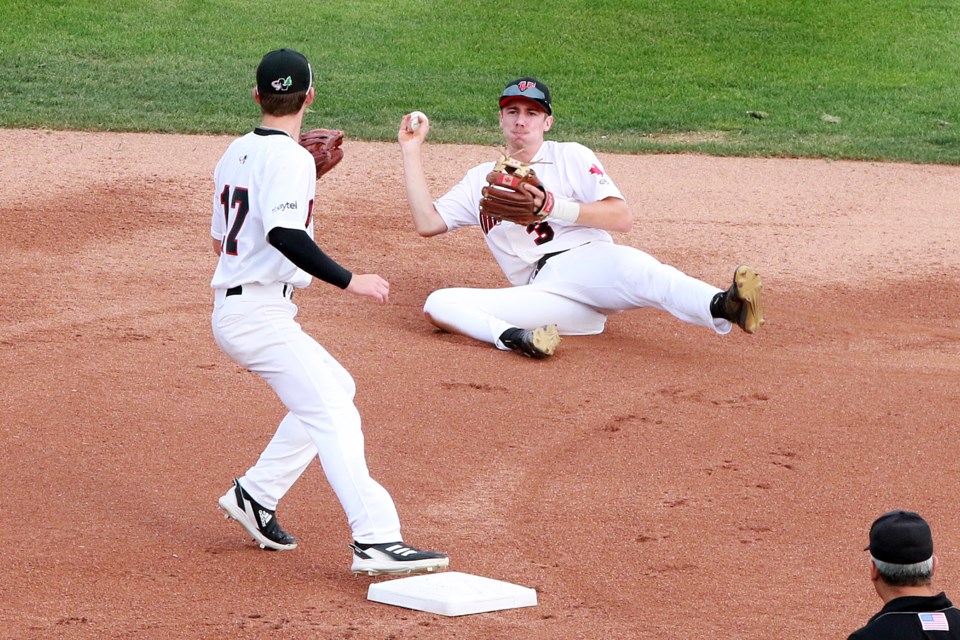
370	285
426	220
300	249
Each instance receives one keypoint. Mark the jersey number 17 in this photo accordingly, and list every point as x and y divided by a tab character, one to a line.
241	202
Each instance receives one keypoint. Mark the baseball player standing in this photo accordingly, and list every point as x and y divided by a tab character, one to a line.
567	273
262	231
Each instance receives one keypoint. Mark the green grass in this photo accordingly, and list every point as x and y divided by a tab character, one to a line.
847	79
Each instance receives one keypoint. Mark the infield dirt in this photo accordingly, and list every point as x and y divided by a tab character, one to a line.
656	481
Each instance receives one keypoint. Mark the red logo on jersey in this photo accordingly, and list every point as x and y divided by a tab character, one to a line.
523	85
595	170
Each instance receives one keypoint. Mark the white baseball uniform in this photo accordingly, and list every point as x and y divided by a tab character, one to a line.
577	289
265	180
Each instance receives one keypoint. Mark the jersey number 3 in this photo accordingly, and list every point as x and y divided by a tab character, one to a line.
542	230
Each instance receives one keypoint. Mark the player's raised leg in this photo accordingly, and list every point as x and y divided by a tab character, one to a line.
741	303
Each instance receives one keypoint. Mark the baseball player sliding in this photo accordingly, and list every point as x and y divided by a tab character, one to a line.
262	231
567	273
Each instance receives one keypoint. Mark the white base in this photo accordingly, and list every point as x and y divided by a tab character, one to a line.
452	593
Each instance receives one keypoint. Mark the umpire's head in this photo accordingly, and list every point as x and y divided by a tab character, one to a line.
901	549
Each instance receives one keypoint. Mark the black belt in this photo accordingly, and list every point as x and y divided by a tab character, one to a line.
543	260
237	290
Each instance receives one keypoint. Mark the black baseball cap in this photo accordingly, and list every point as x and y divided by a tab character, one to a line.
283	71
529	88
900	537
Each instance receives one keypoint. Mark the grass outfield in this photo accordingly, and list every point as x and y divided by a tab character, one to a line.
847	79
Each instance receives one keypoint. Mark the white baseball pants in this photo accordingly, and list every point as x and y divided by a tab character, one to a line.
577	290
257	329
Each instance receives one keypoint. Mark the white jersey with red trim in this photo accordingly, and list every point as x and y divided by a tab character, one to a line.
570	171
264	180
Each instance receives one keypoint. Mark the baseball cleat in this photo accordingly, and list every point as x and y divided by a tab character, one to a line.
261	523
741	302
395	558
536	343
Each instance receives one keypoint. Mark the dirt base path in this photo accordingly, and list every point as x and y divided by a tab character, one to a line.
655	481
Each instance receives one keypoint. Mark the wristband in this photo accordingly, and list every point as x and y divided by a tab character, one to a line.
565	210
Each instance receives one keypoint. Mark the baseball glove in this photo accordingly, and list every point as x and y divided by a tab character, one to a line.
324	146
504	197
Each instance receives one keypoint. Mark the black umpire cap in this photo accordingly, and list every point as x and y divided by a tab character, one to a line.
900	537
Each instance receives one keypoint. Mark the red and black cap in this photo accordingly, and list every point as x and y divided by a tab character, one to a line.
283	71
529	88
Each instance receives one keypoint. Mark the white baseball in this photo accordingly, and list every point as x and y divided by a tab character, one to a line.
415	119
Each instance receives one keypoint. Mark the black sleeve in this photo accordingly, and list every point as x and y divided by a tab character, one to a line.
300	249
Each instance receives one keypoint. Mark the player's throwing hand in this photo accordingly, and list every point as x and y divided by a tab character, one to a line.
413	126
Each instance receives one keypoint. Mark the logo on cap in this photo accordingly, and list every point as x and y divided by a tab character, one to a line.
282	84
529	88
283	71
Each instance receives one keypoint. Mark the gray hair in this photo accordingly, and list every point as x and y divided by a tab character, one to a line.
905	575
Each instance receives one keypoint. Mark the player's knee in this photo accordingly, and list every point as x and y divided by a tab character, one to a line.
437	308
434	303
